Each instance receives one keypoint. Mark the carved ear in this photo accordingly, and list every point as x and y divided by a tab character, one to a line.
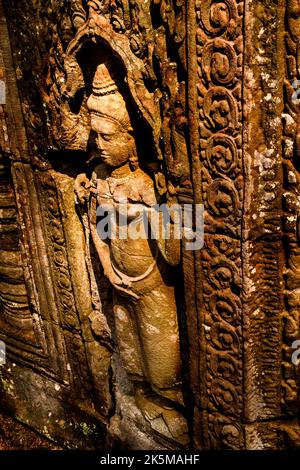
130	134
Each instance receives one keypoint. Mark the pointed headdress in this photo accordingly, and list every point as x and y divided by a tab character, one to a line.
106	101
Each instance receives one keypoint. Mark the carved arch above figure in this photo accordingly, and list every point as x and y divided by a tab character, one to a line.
98	30
156	79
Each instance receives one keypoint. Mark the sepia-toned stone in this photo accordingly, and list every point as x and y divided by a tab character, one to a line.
143	343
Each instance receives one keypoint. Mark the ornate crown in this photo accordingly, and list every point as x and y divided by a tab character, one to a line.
105	100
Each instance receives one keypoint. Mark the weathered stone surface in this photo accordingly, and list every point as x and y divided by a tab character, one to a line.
16	436
139	343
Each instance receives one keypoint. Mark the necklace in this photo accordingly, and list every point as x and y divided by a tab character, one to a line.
114	182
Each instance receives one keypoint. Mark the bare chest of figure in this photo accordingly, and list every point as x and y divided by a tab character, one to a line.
132	250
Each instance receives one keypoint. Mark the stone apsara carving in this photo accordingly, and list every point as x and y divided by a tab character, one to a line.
145	312
156	84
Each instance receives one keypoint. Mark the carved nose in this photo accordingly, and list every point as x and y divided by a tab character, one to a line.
99	143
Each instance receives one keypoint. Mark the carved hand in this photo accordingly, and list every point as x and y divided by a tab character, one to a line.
82	188
115	279
119	282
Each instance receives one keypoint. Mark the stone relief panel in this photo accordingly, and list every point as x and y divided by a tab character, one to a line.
47	332
262	246
19	303
291	115
189	98
15	311
148	43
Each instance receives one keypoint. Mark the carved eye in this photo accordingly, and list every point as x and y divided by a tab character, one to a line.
107	137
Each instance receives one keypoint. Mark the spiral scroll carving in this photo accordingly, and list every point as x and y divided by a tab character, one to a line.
220	52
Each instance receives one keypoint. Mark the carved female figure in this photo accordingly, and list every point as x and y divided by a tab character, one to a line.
144	301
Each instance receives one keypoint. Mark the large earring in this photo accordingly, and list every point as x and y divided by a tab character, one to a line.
133	159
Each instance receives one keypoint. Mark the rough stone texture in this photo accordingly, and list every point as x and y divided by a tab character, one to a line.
16	436
209	92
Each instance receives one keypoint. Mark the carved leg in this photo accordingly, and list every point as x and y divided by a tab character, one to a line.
149	346
128	340
158	331
156	317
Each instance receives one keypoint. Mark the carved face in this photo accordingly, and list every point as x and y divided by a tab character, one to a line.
112	143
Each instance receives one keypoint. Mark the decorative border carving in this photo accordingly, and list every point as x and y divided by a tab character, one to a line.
67	315
219	44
